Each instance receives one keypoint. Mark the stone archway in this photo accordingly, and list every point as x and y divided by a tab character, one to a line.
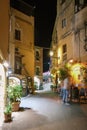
2	91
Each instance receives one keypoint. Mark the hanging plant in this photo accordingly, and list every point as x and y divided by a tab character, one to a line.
53	70
63	73
84	73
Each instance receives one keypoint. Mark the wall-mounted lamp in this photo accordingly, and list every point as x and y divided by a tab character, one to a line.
71	61
51	53
5	63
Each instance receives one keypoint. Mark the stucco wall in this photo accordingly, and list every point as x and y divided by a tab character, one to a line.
4	27
26	44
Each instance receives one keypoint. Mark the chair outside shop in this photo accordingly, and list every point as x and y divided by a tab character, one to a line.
83	95
75	94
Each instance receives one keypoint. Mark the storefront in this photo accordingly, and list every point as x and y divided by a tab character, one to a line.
24	81
78	74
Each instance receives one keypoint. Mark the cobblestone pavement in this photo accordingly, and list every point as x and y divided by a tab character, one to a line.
43	113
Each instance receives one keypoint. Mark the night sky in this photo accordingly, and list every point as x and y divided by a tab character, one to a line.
45	14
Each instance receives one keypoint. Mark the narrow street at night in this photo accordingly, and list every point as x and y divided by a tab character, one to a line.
43	65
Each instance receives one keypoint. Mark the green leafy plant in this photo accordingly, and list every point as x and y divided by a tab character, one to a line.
8	113
35	86
63	73
14	93
8	109
52	86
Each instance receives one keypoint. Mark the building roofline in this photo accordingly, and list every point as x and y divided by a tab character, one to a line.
23	7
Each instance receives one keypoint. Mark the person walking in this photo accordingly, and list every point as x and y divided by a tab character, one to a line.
66	88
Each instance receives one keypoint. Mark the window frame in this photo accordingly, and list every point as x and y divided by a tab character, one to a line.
64	48
37	56
64	22
17	34
37	73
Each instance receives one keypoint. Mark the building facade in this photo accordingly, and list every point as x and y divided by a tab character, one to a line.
69	39
21	42
4	44
38	65
21	45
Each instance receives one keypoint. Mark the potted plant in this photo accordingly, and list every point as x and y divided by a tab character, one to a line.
8	113
53	88
15	94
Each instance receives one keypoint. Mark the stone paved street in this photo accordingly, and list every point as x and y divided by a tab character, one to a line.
43	113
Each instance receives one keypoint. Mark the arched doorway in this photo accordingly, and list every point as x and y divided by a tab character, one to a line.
2	91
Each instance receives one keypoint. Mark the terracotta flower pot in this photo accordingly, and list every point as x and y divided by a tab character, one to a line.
7	117
15	106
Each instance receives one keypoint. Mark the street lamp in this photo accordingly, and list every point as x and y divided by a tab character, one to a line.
51	53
